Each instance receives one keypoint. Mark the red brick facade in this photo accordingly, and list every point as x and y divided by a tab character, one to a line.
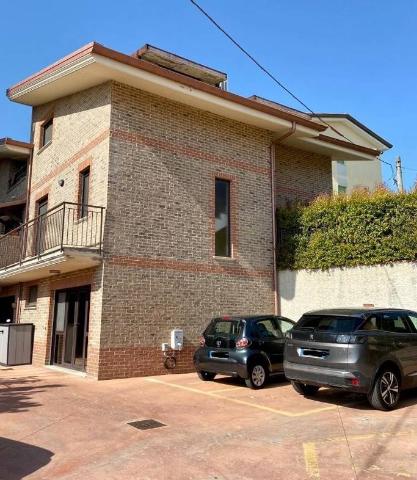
153	166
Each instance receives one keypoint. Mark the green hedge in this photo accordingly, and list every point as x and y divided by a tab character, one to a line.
346	231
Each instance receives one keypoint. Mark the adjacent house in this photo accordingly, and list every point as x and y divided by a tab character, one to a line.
352	175
151	205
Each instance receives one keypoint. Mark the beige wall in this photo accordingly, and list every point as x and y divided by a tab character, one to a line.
357	174
381	285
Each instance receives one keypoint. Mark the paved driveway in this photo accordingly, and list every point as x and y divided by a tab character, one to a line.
55	425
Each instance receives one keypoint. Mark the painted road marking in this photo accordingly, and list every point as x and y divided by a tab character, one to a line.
369	436
310	458
242	402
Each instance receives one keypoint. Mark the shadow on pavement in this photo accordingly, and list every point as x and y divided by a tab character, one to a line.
274	381
18	460
16	393
356	401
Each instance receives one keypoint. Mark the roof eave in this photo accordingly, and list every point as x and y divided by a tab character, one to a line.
16	92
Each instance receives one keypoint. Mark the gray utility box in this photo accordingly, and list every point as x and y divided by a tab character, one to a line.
16	343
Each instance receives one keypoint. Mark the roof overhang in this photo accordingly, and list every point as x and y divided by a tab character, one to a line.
95	64
14	149
356	130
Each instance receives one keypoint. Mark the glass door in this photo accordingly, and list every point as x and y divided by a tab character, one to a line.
70	333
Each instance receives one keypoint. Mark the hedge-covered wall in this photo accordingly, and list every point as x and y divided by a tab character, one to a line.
346	231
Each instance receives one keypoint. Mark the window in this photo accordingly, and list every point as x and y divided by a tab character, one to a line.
284	325
329	323
341	189
46	133
394	322
32	296
222	214
413	319
266	329
84	191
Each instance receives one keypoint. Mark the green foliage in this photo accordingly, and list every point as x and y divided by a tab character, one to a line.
346	231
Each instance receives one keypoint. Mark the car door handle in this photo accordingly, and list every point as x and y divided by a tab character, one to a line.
400	344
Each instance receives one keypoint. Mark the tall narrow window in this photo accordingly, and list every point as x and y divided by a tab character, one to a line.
222	208
46	134
84	191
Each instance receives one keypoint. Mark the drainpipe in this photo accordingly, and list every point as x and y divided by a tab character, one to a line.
291	131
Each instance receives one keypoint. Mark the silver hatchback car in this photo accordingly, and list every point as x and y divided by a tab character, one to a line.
369	351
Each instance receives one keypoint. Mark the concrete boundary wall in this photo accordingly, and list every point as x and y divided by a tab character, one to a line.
382	285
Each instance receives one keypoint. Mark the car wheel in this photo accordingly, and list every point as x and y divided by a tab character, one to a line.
305	389
206	376
385	394
258	376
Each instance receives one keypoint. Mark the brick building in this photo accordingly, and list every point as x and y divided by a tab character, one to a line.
151	200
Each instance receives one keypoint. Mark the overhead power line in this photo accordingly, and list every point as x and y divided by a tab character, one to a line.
265	70
280	84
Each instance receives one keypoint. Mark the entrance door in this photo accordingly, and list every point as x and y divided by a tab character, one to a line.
6	309
70	333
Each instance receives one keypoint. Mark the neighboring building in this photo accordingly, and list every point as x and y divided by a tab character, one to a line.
14	159
152	205
348	176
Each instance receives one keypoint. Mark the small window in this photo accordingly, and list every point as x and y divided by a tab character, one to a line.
84	191
413	319
222	214
46	134
266	329
284	325
32	296
341	189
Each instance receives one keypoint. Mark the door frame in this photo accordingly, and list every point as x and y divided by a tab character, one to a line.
71	365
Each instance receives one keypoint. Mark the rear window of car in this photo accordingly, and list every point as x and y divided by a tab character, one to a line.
225	328
329	323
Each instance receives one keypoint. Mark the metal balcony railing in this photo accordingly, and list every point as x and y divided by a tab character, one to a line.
17	176
60	227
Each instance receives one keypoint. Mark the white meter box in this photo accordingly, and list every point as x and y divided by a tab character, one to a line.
177	339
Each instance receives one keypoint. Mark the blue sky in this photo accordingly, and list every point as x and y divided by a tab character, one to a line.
356	56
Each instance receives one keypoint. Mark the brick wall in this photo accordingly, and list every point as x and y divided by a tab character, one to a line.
300	175
80	138
159	271
41	315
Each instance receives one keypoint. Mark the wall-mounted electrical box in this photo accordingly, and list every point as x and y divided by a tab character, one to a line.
177	339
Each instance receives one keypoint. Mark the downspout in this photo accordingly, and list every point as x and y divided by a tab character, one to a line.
291	131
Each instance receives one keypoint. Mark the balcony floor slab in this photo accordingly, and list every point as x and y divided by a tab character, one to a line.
50	264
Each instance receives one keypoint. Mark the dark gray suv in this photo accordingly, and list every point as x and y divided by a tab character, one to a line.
369	351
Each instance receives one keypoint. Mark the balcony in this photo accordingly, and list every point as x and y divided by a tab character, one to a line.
66	238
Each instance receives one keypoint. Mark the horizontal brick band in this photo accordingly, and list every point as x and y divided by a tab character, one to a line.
185	266
77	156
188	151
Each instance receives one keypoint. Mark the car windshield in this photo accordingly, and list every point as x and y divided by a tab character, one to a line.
225	328
329	323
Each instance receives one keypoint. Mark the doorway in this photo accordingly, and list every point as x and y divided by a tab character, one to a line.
6	309
70	329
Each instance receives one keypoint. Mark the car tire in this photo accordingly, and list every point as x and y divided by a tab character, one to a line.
305	389
258	376
385	393
206	376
